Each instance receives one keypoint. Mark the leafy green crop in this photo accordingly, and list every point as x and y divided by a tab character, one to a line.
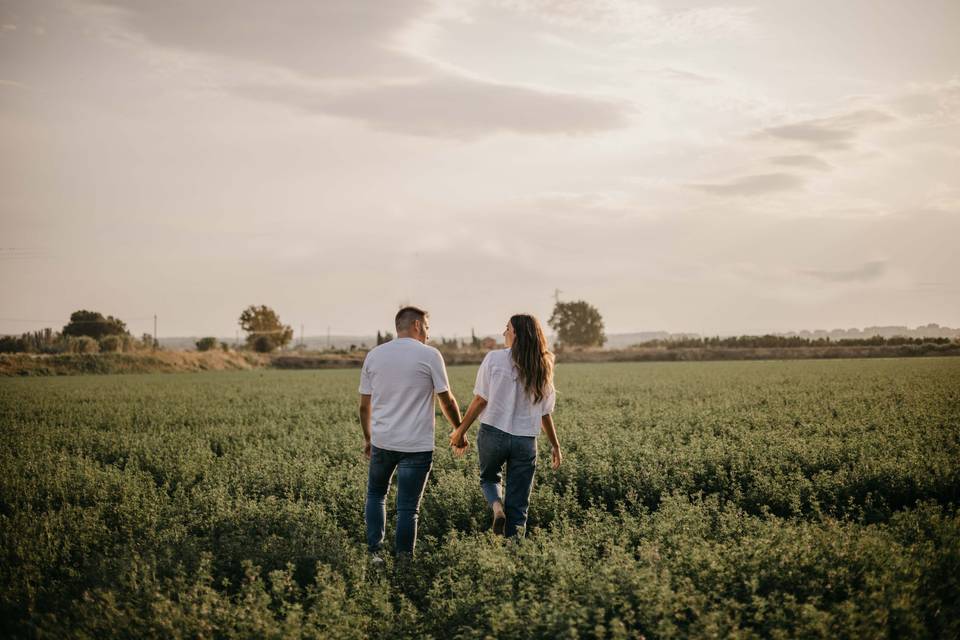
744	499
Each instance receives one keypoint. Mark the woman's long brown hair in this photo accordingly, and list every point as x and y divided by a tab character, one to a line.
531	356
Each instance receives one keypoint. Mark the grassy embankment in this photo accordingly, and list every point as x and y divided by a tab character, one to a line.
187	361
25	364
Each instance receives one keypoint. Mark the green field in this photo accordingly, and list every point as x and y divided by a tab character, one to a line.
746	499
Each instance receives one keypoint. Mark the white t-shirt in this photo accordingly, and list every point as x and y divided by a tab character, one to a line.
401	377
509	408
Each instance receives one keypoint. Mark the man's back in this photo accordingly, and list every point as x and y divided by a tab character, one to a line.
402	377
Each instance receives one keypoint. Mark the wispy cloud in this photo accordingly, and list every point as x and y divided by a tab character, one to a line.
866	272
836	132
803	161
446	106
642	21
357	40
930	100
330	39
753	185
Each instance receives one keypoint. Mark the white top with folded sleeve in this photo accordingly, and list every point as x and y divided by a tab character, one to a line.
509	408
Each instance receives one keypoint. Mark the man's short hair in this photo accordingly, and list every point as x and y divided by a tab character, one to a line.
407	315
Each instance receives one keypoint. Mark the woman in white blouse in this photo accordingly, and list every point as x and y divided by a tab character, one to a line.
514	398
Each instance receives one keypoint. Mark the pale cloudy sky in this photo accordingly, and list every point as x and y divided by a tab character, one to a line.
687	166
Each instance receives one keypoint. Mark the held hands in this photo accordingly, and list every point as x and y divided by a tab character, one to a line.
459	442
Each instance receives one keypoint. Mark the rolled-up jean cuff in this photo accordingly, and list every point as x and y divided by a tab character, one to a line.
491	491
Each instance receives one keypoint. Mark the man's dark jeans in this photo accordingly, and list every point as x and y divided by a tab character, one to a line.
412	472
495	448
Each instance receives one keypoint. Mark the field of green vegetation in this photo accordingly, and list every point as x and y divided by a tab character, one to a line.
814	499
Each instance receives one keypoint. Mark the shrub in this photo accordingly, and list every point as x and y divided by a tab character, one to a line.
82	344
111	344
9	344
206	344
264	344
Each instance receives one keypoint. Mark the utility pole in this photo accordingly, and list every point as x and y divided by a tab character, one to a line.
301	335
328	336
556	295
155	343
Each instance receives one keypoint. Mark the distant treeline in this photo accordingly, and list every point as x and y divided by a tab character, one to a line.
780	342
49	342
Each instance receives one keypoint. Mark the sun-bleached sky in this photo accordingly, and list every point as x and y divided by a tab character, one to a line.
685	166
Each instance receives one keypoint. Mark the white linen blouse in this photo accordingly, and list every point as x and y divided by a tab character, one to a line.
509	408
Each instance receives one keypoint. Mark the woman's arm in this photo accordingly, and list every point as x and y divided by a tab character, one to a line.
546	423
458	438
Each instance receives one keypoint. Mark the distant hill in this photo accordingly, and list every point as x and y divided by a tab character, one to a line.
932	330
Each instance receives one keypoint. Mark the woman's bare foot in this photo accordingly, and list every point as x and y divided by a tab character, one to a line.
499	518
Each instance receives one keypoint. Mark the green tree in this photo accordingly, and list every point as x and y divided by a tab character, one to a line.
93	324
264	330
577	324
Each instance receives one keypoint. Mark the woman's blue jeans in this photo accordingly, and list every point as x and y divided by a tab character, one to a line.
412	471
519	453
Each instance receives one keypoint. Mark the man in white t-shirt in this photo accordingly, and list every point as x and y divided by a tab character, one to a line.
397	387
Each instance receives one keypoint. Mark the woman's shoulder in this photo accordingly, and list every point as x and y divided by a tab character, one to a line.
499	361
498	356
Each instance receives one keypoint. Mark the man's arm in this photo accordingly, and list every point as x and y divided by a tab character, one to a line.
365	422
458	438
449	407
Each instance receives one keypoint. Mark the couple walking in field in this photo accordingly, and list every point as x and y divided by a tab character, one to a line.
514	398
